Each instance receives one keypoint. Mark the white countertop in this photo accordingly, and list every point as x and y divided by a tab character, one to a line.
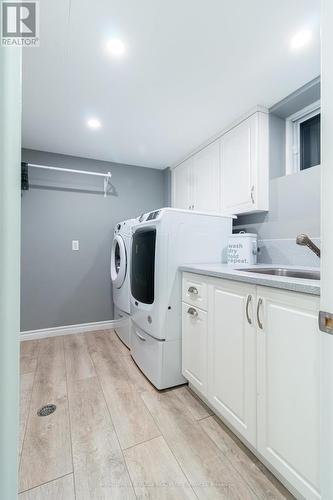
229	272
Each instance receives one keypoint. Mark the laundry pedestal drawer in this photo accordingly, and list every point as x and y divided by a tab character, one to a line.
151	356
123	329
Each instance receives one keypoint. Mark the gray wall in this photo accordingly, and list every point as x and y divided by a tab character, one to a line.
298	100
167	187
58	286
294	207
277	146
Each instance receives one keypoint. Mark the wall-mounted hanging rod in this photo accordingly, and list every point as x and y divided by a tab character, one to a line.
107	176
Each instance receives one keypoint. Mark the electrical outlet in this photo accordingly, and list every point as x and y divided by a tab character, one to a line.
75	245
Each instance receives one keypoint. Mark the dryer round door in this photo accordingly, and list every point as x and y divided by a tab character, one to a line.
118	261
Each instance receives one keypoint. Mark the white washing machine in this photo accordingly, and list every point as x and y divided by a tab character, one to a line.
164	240
120	277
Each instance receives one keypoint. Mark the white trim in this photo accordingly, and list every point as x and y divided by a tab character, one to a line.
326	296
293	135
279	108
69	330
302	113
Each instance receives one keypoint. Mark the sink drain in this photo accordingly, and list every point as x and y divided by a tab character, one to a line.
46	410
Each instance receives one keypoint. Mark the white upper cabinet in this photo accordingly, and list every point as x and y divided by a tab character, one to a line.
206	174
195	182
237	166
230	175
182	185
244	166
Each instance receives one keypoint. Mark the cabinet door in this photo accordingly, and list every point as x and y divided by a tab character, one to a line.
288	385
238	163
245	166
232	355
206	175
194	346
182	185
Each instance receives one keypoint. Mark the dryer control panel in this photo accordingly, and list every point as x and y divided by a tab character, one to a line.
153	215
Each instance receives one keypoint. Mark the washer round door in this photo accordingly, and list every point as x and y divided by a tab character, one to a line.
118	261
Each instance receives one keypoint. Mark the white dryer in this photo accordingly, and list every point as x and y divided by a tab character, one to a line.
120	277
162	241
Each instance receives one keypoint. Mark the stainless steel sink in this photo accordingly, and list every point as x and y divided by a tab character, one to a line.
281	271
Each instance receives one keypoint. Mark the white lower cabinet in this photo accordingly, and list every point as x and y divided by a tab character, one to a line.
288	387
194	352
253	354
232	355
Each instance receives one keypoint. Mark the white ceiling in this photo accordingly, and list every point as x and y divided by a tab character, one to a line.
191	67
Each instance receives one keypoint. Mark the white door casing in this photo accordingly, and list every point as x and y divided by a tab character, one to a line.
10	205
326	297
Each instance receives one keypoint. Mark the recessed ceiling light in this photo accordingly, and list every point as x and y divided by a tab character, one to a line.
94	123
116	47
300	39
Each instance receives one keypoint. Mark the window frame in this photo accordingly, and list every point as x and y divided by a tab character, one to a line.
293	122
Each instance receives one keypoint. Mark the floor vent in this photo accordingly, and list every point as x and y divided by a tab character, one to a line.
44	411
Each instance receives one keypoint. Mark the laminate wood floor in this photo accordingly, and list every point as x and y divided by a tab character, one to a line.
114	436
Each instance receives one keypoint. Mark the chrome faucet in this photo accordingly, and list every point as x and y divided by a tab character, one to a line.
303	239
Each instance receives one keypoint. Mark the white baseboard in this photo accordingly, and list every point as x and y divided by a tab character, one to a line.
69	330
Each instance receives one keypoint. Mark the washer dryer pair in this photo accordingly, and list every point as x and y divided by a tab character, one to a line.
162	241
120	277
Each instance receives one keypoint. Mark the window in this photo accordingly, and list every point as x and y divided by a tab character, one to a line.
309	135
303	139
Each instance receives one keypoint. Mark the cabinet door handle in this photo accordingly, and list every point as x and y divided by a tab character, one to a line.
192	312
248	301
252	194
193	289
141	337
258	311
